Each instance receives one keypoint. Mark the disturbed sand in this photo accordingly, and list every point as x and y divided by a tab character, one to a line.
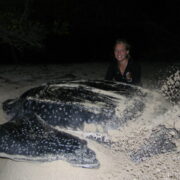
115	162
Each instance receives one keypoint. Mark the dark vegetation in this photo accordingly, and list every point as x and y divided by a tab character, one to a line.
59	31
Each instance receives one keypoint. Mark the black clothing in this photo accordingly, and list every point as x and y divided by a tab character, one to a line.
132	73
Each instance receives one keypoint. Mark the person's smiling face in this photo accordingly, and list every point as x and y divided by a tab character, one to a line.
120	52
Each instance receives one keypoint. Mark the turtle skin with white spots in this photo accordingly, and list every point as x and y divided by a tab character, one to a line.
31	134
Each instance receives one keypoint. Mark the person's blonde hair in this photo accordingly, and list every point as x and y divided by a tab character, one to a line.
122	41
127	45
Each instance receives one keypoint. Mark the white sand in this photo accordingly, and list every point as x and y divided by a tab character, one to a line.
115	163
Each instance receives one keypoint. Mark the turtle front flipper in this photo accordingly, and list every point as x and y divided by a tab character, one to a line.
30	138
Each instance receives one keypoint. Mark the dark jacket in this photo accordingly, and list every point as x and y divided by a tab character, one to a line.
132	74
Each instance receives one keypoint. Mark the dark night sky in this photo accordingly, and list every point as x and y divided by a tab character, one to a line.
151	28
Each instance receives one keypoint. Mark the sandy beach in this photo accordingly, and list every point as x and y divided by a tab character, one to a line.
115	164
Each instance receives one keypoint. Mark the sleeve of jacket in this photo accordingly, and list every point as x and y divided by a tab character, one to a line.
137	74
110	72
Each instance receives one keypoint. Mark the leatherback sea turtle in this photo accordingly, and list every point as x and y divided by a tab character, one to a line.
31	133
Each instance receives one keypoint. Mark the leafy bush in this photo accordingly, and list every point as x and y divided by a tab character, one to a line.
20	34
